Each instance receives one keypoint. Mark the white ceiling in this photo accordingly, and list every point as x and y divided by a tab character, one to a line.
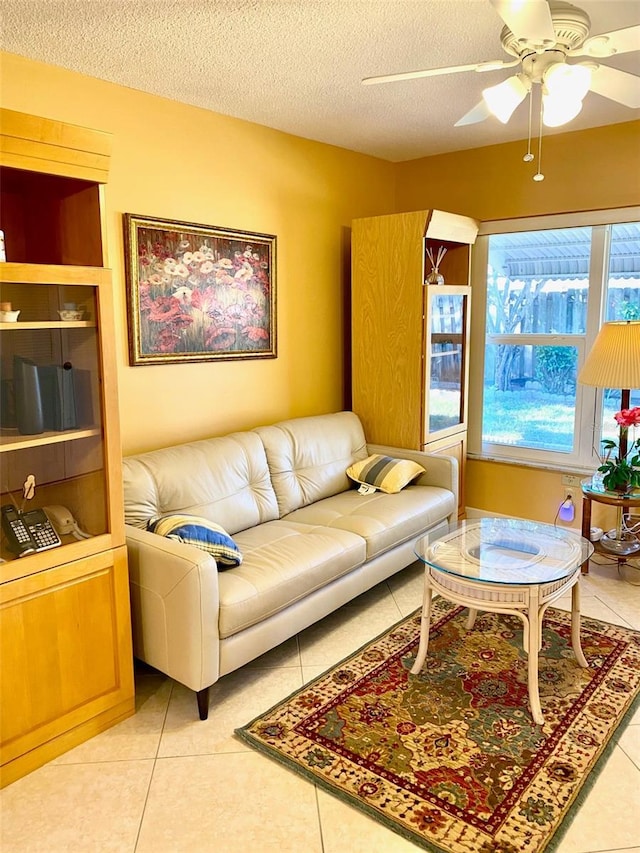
296	65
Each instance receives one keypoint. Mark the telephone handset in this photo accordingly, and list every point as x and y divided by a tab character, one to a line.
28	532
64	522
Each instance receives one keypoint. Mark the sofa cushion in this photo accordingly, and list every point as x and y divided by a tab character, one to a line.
282	563
384	472
382	520
308	457
225	480
204	534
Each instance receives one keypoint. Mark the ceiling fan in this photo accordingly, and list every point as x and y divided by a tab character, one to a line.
542	35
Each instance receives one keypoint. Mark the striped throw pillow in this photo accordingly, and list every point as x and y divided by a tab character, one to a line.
204	534
384	472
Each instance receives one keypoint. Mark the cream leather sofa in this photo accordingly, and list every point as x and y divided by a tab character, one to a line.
310	542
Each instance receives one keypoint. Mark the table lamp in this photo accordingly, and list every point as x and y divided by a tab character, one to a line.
614	362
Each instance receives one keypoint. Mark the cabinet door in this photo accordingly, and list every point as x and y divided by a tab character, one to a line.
58	419
456	446
67	667
387	325
446	367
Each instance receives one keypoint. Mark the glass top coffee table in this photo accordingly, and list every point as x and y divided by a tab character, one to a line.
505	565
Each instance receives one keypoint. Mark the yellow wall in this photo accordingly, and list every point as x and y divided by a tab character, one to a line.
584	170
179	162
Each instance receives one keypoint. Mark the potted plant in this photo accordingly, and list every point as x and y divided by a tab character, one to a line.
621	464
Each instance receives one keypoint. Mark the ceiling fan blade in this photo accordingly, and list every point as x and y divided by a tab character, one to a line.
412	75
479	113
606	44
491	65
617	85
527	19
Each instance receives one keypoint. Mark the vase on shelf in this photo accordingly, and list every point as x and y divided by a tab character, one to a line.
434	276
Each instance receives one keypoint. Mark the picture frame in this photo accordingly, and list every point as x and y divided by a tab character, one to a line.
198	292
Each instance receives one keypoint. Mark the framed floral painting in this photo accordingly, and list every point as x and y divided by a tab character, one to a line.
198	292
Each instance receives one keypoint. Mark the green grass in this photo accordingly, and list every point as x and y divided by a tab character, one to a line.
537	419
525	417
529	418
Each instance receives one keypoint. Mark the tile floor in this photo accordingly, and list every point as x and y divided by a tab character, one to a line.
164	782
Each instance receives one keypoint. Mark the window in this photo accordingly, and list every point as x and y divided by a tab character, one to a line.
546	291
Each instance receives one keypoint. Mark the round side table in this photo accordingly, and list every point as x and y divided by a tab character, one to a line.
621	502
505	565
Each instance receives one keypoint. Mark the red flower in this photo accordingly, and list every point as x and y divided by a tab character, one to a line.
628	417
255	333
221	338
164	309
166	341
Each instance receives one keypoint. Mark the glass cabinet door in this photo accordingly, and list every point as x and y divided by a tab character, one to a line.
58	421
446	336
51	412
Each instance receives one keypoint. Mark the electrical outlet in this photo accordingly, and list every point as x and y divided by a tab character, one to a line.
570	491
571	480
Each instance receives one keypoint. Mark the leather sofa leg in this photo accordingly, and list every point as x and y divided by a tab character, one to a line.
203	703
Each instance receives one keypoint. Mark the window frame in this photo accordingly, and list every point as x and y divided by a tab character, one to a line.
588	403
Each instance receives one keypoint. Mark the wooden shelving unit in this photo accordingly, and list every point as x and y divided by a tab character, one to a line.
410	339
65	635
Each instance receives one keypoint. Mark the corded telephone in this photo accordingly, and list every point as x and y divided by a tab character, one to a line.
64	522
38	529
28	532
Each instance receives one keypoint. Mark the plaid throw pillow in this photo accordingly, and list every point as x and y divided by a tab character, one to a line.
204	534
384	472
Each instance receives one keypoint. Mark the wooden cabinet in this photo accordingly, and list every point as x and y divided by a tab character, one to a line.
65	654
410	339
455	445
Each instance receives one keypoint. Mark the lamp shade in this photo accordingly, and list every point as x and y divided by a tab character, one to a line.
506	96
614	359
564	88
567	81
557	111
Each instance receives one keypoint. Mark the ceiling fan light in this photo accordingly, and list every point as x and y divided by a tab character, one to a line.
558	110
505	97
570	81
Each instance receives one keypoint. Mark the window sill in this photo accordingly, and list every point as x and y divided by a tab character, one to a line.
578	470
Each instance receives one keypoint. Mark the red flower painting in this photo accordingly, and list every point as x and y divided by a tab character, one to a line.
198	293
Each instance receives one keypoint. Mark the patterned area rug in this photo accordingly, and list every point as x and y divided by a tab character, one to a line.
451	758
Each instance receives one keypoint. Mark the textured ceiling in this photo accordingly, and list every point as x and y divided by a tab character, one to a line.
296	65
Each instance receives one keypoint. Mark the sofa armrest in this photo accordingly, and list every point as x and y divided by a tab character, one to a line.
174	604
440	470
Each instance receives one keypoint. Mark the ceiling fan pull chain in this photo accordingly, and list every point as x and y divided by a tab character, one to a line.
538	175
528	157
